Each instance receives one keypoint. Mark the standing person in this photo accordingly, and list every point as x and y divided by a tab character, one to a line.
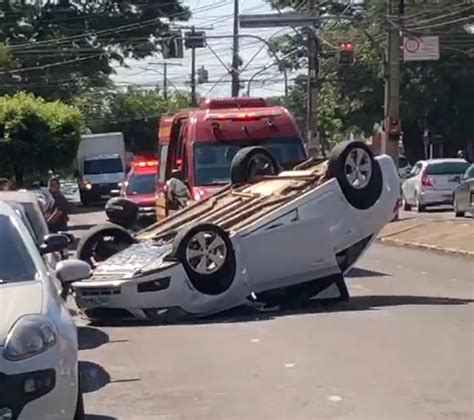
177	192
58	219
5	184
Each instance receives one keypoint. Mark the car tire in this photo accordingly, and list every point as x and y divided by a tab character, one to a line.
192	246
251	162
80	413
361	193
457	212
91	250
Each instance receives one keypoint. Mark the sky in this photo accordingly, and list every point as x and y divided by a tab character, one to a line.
218	16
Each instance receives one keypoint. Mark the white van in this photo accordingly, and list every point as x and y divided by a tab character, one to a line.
100	165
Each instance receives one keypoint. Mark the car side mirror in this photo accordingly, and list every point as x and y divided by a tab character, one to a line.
70	237
54	243
71	271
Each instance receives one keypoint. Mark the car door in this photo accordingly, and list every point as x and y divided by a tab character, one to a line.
465	191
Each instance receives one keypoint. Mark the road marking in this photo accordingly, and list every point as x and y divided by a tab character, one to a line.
255	340
452	279
334	398
424	273
289	365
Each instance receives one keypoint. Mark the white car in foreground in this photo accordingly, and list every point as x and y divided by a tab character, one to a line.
39	376
264	239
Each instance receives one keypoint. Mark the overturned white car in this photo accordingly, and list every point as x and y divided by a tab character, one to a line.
275	238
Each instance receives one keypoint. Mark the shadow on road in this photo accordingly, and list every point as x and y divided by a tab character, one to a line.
78	208
93	377
81	227
97	417
362	272
91	338
248	314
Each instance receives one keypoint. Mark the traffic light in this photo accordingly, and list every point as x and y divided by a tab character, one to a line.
172	46
346	53
393	128
203	75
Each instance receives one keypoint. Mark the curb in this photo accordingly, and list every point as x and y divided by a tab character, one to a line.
417	245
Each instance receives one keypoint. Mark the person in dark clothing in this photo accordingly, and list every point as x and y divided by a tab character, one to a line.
58	219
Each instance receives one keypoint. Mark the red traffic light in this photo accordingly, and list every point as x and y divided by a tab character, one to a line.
346	47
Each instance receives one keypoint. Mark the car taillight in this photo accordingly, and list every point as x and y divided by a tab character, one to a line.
426	180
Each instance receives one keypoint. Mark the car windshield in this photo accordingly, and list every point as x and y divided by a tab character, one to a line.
16	264
141	184
212	160
103	166
447	168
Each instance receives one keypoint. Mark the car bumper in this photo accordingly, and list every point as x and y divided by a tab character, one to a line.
42	387
435	197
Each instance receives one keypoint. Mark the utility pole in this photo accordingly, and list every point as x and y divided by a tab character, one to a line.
235	52
313	71
392	126
165	80
193	72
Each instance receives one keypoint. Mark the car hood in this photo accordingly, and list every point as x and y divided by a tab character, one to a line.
136	260
17	300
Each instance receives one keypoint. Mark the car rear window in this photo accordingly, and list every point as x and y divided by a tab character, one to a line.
447	168
16	263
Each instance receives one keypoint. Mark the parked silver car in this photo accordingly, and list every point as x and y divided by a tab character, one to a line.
432	182
464	194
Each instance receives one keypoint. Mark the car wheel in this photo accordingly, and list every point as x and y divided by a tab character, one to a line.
101	242
359	175
457	212
80	412
207	255
250	163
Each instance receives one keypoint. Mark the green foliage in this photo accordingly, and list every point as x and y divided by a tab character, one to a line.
36	135
135	113
434	95
84	37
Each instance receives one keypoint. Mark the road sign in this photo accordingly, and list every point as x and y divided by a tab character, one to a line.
424	48
275	20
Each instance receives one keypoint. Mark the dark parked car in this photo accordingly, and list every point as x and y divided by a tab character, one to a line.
463	200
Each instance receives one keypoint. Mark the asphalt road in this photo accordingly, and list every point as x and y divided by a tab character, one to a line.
401	348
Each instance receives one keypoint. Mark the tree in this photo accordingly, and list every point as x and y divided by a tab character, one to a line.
36	135
56	44
434	95
135	113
